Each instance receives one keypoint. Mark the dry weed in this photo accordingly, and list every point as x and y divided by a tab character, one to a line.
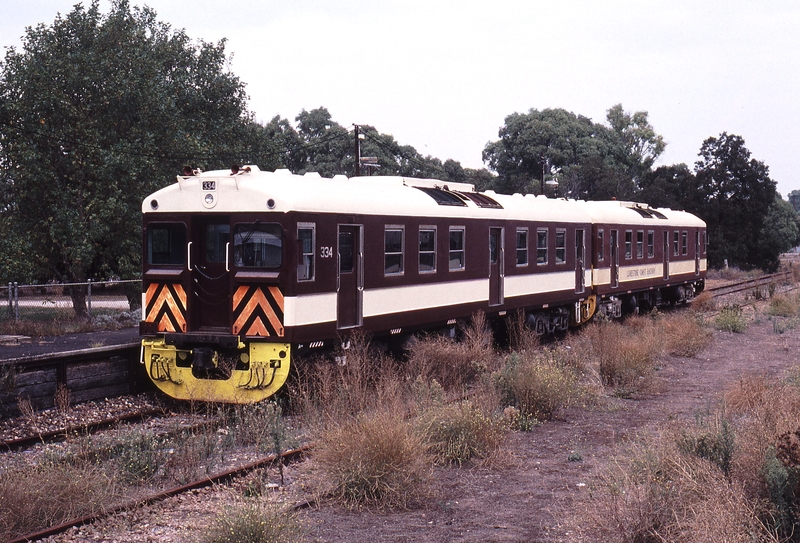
376	459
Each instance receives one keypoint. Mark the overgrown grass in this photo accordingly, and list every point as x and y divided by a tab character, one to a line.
35	497
376	460
625	355
462	432
538	384
454	364
733	475
254	521
731	319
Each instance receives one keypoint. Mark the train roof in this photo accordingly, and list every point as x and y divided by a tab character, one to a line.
254	190
250	189
638	214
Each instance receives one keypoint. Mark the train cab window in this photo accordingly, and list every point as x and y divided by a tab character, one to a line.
601	251
561	246
651	244
427	250
705	242
217	238
684	243
675	243
257	245
457	248
393	250
306	240
640	244
166	244
522	246
628	244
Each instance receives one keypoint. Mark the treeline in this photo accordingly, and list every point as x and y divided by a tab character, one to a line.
98	110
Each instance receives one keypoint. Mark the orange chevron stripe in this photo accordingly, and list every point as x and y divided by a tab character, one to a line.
238	295
257	300
165	325
174	308
277	295
257	329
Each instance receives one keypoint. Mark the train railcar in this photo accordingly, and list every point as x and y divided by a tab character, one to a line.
645	257
245	270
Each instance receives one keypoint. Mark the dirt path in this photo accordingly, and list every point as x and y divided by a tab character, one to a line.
525	499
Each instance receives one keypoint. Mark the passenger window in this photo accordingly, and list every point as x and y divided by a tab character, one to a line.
541	247
305	247
393	251
522	246
651	244
628	244
258	245
457	248
427	250
684	243
166	244
675	242
561	246
640	244
601	251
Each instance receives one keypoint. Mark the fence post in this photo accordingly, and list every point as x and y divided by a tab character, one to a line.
10	299
89	297
16	301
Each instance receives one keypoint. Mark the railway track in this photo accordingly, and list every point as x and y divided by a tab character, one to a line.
760	282
219	478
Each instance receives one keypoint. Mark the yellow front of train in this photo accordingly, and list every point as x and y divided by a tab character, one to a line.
212	302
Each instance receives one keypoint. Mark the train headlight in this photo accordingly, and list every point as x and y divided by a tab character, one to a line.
209	200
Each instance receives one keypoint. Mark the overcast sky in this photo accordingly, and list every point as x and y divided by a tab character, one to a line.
443	75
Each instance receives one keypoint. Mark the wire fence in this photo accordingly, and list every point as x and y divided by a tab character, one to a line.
93	300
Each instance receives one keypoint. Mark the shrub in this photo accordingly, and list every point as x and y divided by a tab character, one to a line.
684	334
453	364
783	305
34	498
537	383
626	354
254	521
461	432
375	459
731	319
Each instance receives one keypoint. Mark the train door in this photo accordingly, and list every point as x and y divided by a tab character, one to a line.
697	252
350	281
614	258
580	266
210	266
495	266
666	255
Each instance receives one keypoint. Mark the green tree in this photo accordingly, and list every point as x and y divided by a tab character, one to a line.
734	195
97	111
582	156
638	142
794	199
672	186
780	233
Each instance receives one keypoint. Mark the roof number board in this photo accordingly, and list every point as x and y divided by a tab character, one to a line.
209	185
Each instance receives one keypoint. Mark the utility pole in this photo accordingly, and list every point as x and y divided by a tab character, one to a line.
358	151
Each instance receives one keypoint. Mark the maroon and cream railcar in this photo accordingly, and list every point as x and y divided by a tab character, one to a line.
644	257
243	269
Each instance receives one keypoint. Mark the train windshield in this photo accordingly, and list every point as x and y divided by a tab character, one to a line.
258	245
166	244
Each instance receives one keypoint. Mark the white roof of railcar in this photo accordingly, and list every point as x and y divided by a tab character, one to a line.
633	213
376	195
